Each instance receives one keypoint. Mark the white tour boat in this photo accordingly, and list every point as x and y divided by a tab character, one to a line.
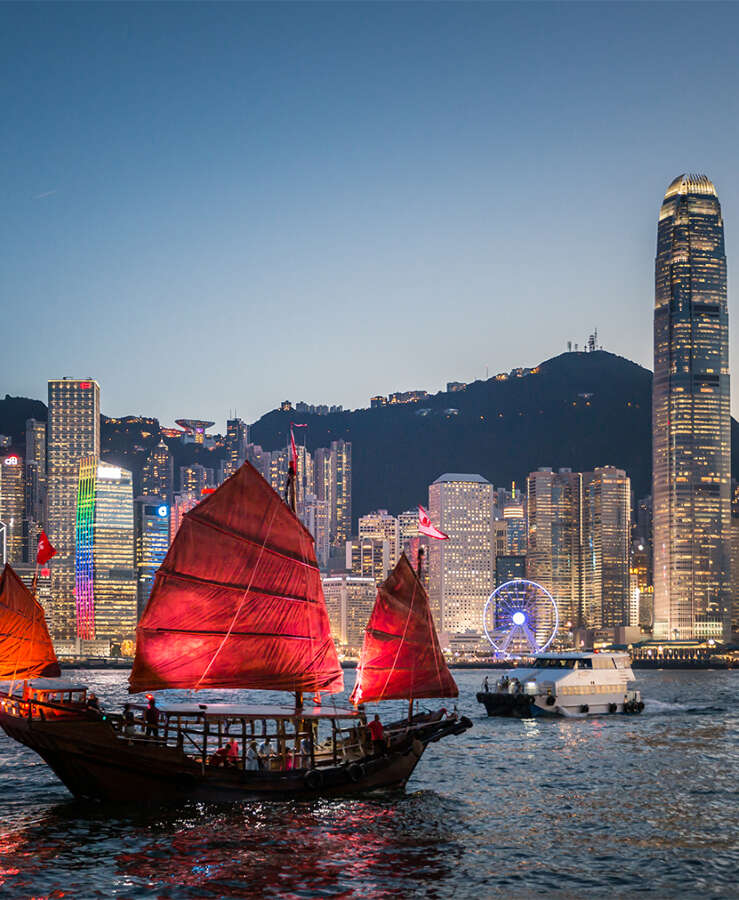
564	684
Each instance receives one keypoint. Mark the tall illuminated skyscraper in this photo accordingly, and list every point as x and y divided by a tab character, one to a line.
237	438
606	521
73	433
690	416
12	508
555	537
462	569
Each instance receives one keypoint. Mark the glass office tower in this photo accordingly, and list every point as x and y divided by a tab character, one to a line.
690	415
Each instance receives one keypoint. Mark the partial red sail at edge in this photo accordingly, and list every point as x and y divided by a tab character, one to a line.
238	600
26	650
401	657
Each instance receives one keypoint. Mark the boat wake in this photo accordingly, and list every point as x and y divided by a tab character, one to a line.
660	708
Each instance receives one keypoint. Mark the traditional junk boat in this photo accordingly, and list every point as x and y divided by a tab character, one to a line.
238	604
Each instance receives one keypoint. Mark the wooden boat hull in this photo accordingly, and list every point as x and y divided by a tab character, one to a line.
95	762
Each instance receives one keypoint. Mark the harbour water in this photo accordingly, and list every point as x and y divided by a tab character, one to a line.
613	806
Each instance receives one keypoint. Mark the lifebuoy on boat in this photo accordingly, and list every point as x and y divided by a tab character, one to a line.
550	700
313	779
584	708
612	707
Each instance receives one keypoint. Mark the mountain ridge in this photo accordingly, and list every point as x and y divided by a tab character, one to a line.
578	410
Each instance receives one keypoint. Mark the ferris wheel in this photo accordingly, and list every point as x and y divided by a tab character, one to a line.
520	619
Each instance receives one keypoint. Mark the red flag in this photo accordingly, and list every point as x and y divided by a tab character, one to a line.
44	551
425	526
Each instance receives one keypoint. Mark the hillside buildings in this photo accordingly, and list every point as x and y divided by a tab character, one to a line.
690	416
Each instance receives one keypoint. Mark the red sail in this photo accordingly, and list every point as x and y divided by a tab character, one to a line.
26	650
401	657
238	601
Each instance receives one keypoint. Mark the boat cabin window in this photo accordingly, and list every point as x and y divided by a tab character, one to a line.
584	664
544	663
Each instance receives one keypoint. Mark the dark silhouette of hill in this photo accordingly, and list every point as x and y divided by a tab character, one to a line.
13	414
578	409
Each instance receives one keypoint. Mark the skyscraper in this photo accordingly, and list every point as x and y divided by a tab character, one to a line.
12	508
606	529
690	416
35	478
462	569
555	539
381	526
157	475
151	530
341	452
105	580
73	433
237	438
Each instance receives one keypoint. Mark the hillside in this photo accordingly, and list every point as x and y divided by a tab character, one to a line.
578	409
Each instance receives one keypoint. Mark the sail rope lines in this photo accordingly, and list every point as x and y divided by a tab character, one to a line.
227	635
20	643
304	552
400	645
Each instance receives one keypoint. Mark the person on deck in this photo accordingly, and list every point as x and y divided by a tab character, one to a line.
219	756
252	758
128	719
151	718
232	755
265	753
486	685
377	734
93	703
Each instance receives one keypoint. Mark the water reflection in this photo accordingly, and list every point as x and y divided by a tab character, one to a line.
327	849
615	805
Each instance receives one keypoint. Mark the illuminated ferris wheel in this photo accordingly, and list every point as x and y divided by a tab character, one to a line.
520	619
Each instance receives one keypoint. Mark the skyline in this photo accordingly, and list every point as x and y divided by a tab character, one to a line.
205	172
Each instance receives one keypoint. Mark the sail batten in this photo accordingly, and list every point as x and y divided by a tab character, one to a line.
26	650
274	551
239	588
401	657
238	600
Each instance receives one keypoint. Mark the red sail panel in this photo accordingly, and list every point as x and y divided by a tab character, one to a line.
26	650
401	657
238	600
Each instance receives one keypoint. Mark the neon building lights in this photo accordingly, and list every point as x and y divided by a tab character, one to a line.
84	548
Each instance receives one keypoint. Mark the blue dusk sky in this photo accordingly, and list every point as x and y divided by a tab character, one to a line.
221	206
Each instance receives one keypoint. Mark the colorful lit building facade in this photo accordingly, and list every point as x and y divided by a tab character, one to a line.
105	578
690	416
